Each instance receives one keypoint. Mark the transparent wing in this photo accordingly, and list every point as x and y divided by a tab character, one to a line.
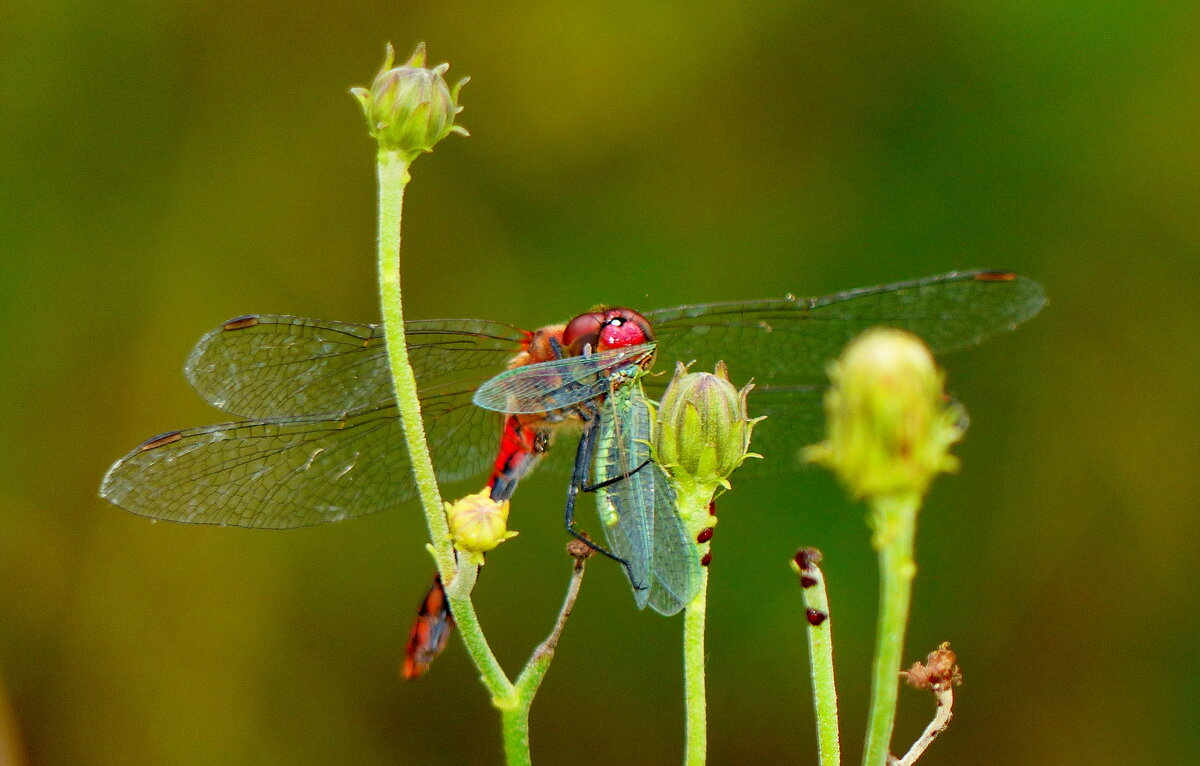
795	418
267	366
296	472
626	504
675	571
787	341
462	438
553	385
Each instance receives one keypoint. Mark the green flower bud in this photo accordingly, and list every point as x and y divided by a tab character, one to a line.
478	524
889	424
410	108
703	432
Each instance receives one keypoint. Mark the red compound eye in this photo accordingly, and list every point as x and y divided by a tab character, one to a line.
583	330
624	327
609	328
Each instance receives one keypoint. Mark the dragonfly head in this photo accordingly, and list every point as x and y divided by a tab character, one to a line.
605	329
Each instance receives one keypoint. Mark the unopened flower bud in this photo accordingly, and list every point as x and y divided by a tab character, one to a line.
410	108
478	524
889	424
703	432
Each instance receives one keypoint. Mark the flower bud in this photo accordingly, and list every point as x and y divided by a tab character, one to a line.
410	108
703	432
889	424
478	524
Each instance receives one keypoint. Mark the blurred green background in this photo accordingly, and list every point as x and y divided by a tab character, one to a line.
165	166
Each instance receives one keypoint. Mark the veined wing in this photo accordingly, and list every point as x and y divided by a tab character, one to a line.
795	418
638	509
559	383
626	503
788	341
675	571
266	366
295	472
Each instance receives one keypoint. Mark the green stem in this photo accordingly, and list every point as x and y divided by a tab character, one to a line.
393	177
516	713
693	675
820	651
515	728
894	520
458	593
693	506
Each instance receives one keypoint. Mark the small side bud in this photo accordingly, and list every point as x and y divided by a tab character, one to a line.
410	108
889	424
478	524
703	431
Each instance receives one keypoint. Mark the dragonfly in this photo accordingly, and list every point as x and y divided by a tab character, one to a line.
319	438
635	500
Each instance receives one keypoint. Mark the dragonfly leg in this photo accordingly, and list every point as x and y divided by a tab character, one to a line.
583	458
614	479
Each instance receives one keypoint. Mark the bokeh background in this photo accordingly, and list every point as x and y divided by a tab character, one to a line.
165	166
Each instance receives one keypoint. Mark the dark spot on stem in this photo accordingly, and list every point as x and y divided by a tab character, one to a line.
815	616
806	558
706	559
705	535
807	581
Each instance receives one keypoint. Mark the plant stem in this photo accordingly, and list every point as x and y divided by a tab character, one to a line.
820	652
516	715
693	675
894	521
944	694
515	729
393	177
458	593
693	505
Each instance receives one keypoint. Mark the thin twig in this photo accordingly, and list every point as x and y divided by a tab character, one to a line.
515	710
547	647
941	674
941	719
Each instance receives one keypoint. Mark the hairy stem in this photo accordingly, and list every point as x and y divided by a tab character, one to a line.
894	521
516	717
820	652
693	505
393	177
693	675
